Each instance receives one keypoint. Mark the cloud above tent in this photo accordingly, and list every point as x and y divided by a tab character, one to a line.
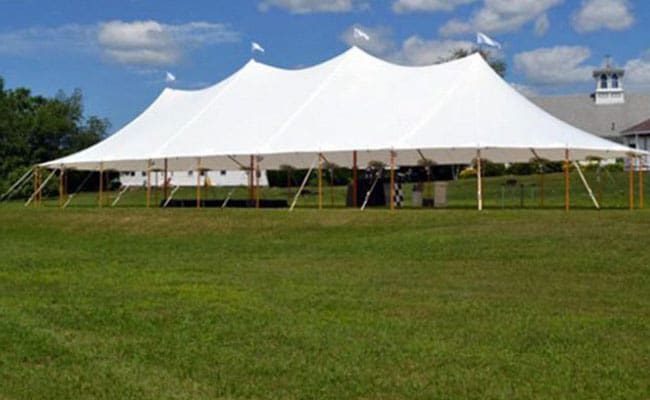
140	43
315	6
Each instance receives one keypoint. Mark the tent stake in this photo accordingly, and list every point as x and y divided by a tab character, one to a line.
302	186
479	180
392	181
355	179
631	183
320	181
567	195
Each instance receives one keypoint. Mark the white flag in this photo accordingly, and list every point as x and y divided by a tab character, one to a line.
256	47
482	38
170	78
358	33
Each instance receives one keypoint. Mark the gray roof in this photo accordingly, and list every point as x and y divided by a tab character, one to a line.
608	121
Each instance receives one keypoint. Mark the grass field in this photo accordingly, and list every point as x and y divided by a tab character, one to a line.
148	304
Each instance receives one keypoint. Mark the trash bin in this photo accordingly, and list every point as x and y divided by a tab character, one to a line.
440	194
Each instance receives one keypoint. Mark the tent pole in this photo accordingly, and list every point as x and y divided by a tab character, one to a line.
101	184
257	183
320	181
541	185
640	166
108	187
39	176
148	196
355	179
166	183
198	182
39	187
251	180
302	186
18	183
61	174
600	183
567	194
631	183
392	180
479	180
586	184
332	186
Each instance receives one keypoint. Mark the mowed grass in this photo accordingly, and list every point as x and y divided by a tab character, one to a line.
149	304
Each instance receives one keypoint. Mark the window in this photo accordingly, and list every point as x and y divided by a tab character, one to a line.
144	173
603	81
202	173
223	172
190	173
615	81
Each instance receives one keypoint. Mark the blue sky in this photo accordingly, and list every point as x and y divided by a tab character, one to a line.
119	51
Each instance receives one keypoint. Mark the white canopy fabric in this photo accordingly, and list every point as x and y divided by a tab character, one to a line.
353	102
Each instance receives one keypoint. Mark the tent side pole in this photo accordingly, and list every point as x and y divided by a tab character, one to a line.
541	185
640	185
479	180
198	182
251	194
39	187
148	195
631	183
392	181
567	194
61	175
101	185
257	183
108	188
166	182
355	179
320	181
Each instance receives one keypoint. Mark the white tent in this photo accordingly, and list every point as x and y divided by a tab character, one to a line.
354	102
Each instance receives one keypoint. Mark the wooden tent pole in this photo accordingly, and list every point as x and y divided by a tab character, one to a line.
479	180
567	182
148	195
640	165
101	185
355	179
61	177
108	188
251	180
166	183
320	181
198	182
541	185
257	183
392	181
631	183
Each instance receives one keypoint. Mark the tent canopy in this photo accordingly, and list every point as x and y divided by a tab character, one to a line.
353	102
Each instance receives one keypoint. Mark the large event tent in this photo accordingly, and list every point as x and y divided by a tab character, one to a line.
354	102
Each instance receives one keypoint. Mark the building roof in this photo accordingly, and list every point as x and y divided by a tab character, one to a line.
607	121
643	127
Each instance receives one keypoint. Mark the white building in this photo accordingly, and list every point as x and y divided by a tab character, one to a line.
189	178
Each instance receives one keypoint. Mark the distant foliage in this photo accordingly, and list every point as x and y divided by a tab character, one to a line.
498	65
35	129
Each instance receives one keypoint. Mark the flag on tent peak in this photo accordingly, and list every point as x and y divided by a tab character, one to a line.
256	47
483	39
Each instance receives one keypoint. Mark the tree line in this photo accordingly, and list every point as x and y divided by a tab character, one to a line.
36	129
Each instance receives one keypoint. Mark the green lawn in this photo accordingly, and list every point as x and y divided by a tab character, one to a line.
148	304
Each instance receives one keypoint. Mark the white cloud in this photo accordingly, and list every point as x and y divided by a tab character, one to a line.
637	72
556	65
595	15
130	43
497	16
315	6
525	89
153	43
413	51
404	6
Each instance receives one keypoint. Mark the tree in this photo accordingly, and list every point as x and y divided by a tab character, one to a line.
498	65
34	129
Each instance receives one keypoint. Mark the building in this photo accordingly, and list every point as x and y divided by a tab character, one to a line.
189	178
608	112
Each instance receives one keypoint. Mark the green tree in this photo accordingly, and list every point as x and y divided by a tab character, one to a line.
498	65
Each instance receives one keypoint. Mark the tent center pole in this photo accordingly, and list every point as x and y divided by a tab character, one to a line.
567	182
479	180
320	181
148	194
355	179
